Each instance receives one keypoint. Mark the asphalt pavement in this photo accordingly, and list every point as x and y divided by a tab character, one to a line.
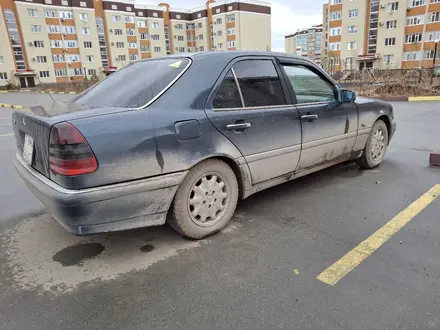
259	273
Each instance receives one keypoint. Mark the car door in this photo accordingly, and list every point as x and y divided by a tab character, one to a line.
250	106
329	126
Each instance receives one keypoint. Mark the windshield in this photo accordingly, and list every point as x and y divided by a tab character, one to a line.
135	85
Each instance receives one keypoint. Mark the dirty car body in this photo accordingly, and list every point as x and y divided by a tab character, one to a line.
115	156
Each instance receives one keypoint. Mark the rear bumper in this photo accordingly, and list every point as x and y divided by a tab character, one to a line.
140	203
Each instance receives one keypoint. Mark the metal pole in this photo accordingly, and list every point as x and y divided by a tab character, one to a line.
433	62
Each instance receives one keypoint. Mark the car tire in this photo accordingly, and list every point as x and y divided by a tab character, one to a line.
375	149
205	201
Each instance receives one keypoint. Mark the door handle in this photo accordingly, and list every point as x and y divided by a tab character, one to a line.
238	126
309	117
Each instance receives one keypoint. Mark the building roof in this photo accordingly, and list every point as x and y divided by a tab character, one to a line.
315	28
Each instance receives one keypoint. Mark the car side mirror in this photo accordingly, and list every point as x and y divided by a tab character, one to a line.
348	96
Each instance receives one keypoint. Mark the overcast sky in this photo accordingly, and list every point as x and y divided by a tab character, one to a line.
287	15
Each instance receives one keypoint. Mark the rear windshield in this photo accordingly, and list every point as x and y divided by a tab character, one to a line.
135	85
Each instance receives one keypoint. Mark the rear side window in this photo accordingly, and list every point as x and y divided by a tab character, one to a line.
258	84
228	95
135	85
308	86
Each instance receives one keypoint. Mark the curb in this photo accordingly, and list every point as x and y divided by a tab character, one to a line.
12	106
56	92
17	91
423	98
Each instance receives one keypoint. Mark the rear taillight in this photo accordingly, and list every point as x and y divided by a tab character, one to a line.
69	152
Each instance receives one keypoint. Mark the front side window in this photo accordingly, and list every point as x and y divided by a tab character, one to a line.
309	87
147	80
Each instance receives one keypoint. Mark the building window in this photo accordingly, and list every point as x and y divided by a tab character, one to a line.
351	45
49	13
2	60
230	18
68	29
129	19
133	57
432	36
128	9
353	13
334	45
90	58
336	2
83	17
64	2
131	32
44	74
413	38
393	6
391	24
117	32
114	7
141	23
335	15
73	58
201	48
155	25
388	59
219	33
85	30
390	41
3	76
231	31
145	48
121	58
116	18
39	44
181	49
144	36
53	29
55	44
415	20
179	26
57	58
91	72
411	56
60	72
32	12
220	45
434	17
75	72
155	37
352	29
231	44
41	59
67	14
82	4
71	43
132	44
416	3
36	28
157	49
335	31
155	15
119	44
429	54
180	38
219	21
87	44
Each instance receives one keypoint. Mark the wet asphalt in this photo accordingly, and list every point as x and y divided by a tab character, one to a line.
259	273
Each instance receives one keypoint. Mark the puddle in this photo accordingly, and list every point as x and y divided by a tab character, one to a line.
147	248
75	255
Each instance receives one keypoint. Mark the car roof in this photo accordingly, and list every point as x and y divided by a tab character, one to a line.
229	55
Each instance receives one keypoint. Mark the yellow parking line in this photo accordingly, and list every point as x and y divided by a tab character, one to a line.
353	258
423	98
4	105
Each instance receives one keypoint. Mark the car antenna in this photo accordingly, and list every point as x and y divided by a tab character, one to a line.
44	87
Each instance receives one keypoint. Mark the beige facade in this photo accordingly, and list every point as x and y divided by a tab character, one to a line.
68	40
382	34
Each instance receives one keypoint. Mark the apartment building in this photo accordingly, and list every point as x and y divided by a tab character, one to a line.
50	41
382	34
306	42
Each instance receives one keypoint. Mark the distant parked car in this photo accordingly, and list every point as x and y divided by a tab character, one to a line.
182	138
